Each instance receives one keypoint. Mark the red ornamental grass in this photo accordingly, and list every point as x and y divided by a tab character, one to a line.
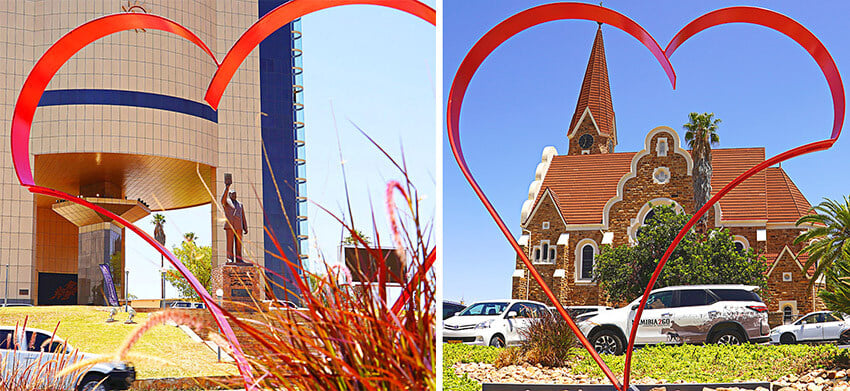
347	336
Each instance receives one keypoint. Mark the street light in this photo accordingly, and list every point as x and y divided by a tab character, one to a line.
219	293
126	290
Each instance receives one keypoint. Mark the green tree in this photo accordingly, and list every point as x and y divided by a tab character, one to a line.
701	134
623	272
351	240
828	238
199	262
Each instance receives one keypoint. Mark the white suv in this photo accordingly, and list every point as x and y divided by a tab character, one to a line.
22	354
727	314
493	323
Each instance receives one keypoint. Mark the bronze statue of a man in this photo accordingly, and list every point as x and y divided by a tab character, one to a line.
236	224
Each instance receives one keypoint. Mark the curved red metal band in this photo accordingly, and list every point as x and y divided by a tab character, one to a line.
816	49
783	24
479	52
57	55
41	74
280	17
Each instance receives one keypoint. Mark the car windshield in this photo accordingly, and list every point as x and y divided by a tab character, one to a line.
485	309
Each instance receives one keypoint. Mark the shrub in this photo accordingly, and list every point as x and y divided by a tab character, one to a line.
547	341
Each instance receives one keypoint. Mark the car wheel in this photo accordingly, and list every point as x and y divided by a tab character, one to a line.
787	339
607	342
844	339
93	382
728	337
497	341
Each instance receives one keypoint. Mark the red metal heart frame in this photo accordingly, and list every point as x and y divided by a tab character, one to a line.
545	13
71	43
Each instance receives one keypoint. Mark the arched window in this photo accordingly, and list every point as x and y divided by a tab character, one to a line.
739	247
649	217
587	262
787	316
544	253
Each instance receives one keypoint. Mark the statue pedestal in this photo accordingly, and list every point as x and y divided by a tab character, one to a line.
241	286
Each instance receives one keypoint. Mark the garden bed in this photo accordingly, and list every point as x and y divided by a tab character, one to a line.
465	367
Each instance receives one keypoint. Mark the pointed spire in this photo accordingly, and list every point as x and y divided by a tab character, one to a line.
595	91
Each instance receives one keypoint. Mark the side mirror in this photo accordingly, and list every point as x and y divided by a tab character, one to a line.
456	313
634	307
804	322
511	314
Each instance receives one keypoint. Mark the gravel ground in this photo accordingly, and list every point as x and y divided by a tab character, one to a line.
817	380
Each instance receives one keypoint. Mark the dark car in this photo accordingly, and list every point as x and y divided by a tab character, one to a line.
450	308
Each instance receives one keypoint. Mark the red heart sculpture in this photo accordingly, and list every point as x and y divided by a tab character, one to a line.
558	11
71	43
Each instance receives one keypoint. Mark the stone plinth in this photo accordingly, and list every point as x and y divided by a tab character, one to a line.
240	284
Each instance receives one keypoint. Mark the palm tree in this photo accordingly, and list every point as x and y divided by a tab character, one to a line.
701	134
190	237
159	235
828	238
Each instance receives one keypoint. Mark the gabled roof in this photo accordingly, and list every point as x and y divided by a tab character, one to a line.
583	184
595	91
772	260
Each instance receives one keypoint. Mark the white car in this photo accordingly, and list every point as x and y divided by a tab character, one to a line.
729	314
493	323
23	353
821	326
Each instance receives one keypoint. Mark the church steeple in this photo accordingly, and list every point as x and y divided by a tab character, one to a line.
594	101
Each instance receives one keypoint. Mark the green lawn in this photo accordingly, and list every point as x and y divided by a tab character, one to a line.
698	364
172	353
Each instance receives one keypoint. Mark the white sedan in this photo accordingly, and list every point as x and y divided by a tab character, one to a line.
821	326
24	354
493	323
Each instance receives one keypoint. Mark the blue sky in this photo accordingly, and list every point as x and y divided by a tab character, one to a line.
366	65
765	88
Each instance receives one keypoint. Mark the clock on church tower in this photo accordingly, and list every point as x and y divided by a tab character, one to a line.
585	141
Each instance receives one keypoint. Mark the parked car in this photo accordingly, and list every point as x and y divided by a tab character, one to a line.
725	314
33	348
181	304
282	305
493	323
821	326
450	308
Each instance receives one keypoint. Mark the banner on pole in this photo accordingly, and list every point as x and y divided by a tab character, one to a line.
109	285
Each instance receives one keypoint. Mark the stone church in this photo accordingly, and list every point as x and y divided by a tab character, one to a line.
593	196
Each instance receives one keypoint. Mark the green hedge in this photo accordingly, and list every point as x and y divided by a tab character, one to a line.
690	363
